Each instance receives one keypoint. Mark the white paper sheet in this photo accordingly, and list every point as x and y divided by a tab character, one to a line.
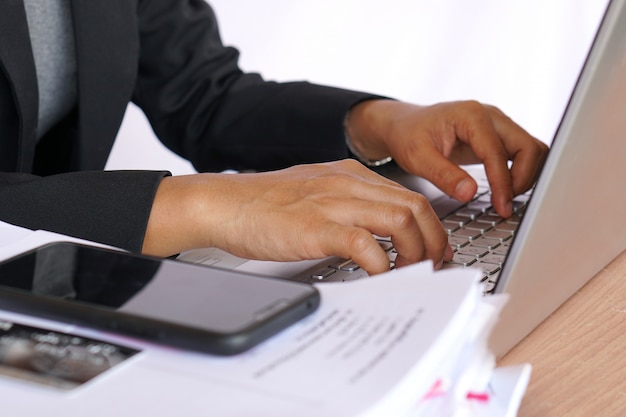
10	233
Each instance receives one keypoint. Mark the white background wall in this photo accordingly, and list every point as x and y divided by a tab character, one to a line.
520	55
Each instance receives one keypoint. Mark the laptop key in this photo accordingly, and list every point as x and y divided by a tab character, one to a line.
479	205
486	243
465	260
501	250
467	233
481	227
476	251
498	235
507	227
450	227
323	273
487	268
467	212
490	219
457	242
345	265
460	220
514	219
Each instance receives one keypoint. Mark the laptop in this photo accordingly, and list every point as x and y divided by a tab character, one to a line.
564	232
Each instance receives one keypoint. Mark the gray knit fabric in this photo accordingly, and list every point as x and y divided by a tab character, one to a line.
52	39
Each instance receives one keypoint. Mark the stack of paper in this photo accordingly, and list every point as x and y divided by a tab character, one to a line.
411	342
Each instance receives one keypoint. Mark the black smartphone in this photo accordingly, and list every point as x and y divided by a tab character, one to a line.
189	306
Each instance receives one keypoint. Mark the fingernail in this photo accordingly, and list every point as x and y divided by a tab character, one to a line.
509	208
464	189
449	253
439	264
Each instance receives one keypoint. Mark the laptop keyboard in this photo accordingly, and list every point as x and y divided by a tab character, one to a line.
479	237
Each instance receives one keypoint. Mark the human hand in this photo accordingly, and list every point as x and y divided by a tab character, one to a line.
431	141
303	212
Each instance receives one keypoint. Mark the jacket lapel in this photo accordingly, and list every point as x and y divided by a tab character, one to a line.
107	48
17	62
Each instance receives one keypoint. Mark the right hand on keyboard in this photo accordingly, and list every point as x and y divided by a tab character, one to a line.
432	141
303	212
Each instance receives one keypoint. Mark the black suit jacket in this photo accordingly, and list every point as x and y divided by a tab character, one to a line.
167	57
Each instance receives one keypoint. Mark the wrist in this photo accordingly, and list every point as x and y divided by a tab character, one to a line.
173	225
365	131
372	163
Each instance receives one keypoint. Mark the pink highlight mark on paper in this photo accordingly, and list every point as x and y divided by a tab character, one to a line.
482	397
437	390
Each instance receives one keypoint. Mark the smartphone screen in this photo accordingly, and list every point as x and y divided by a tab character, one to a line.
186	305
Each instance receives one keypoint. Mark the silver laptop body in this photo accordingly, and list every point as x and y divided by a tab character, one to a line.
575	221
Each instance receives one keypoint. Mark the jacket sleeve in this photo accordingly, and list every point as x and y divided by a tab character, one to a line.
203	107
108	207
